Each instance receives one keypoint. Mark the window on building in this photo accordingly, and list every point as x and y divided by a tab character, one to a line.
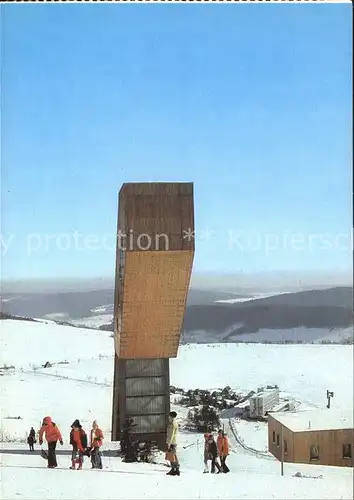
314	452
285	447
347	451
273	437
278	440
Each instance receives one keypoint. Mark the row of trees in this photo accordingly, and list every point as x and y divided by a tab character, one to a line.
203	419
221	399
304	342
205	406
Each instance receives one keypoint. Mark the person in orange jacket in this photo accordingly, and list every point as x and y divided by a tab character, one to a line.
78	440
96	442
52	435
223	449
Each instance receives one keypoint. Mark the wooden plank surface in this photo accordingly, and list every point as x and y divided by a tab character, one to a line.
155	292
329	442
153	268
157	211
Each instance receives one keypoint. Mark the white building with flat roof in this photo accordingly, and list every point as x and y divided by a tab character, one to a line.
316	420
263	402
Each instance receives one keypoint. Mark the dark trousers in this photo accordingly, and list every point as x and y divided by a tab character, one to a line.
96	458
223	464
175	464
215	463
52	458
31	447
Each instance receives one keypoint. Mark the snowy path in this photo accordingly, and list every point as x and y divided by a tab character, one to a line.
245	447
63	377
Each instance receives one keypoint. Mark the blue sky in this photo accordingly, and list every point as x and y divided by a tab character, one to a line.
250	102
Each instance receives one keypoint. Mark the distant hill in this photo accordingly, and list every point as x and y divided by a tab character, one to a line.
309	310
248	319
12	316
84	304
65	305
331	308
205	319
330	297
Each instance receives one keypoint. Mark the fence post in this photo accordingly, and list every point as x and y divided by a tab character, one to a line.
282	451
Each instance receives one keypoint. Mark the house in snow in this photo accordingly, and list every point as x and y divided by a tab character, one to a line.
323	437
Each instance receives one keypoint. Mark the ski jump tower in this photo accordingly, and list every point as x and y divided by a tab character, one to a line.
154	258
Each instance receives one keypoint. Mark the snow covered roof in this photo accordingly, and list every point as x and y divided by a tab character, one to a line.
244	404
280	406
315	420
265	392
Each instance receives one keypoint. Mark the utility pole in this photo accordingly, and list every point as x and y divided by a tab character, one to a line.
282	451
330	395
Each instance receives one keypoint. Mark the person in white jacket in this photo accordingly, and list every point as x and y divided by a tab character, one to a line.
171	440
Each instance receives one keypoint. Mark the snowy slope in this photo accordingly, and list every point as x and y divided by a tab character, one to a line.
81	388
299	334
89	373
304	371
94	321
24	343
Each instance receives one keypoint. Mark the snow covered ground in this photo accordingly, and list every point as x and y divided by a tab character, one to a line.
94	321
304	371
102	315
26	477
24	343
78	385
256	296
300	334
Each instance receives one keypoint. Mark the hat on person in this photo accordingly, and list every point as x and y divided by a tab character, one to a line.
76	423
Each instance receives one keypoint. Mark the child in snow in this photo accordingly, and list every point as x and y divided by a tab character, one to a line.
211	453
31	440
96	443
52	434
78	440
223	449
206	452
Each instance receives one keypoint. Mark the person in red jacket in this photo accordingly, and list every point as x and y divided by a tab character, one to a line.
96	442
78	440
223	449
52	435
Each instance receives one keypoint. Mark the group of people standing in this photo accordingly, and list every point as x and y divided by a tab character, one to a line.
78	441
214	450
